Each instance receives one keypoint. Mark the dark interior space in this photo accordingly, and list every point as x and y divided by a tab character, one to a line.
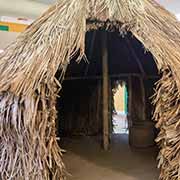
80	106
126	55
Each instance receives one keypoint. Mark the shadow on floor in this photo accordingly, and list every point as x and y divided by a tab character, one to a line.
86	160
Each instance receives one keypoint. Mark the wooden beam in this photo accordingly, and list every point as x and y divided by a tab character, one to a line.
105	92
110	110
129	101
135	57
121	75
90	52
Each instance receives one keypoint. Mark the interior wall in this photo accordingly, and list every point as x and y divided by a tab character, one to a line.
136	100
80	110
142	132
80	107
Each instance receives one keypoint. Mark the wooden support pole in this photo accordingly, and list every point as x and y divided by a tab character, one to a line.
118	76
90	52
143	99
137	99
130	101
105	92
135	57
110	110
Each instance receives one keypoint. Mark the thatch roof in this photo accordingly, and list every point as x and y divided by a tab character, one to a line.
28	86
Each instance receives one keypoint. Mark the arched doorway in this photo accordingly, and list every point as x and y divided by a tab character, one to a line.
81	108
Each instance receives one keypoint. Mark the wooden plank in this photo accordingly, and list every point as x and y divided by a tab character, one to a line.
105	92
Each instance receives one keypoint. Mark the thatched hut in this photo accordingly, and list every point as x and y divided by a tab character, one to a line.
29	85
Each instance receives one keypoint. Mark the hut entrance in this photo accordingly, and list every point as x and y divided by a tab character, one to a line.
83	97
87	104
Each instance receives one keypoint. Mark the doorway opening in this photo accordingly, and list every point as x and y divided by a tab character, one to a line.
81	115
120	97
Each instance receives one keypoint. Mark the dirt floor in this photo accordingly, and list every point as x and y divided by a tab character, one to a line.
86	160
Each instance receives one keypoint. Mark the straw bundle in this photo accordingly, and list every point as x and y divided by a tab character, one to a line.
28	88
167	115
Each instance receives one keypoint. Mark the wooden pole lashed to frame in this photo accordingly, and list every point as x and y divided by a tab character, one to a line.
105	92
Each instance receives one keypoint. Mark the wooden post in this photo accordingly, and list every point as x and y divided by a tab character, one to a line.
143	99
110	110
130	101
105	92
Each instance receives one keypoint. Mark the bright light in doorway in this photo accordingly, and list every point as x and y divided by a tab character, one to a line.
1	50
120	121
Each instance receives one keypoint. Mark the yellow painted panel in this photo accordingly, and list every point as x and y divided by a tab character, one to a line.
119	99
14	27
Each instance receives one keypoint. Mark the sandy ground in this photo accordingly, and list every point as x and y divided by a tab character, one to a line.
85	160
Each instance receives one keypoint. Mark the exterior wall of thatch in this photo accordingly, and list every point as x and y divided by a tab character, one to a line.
28	86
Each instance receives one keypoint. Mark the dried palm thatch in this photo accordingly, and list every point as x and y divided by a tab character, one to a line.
28	88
